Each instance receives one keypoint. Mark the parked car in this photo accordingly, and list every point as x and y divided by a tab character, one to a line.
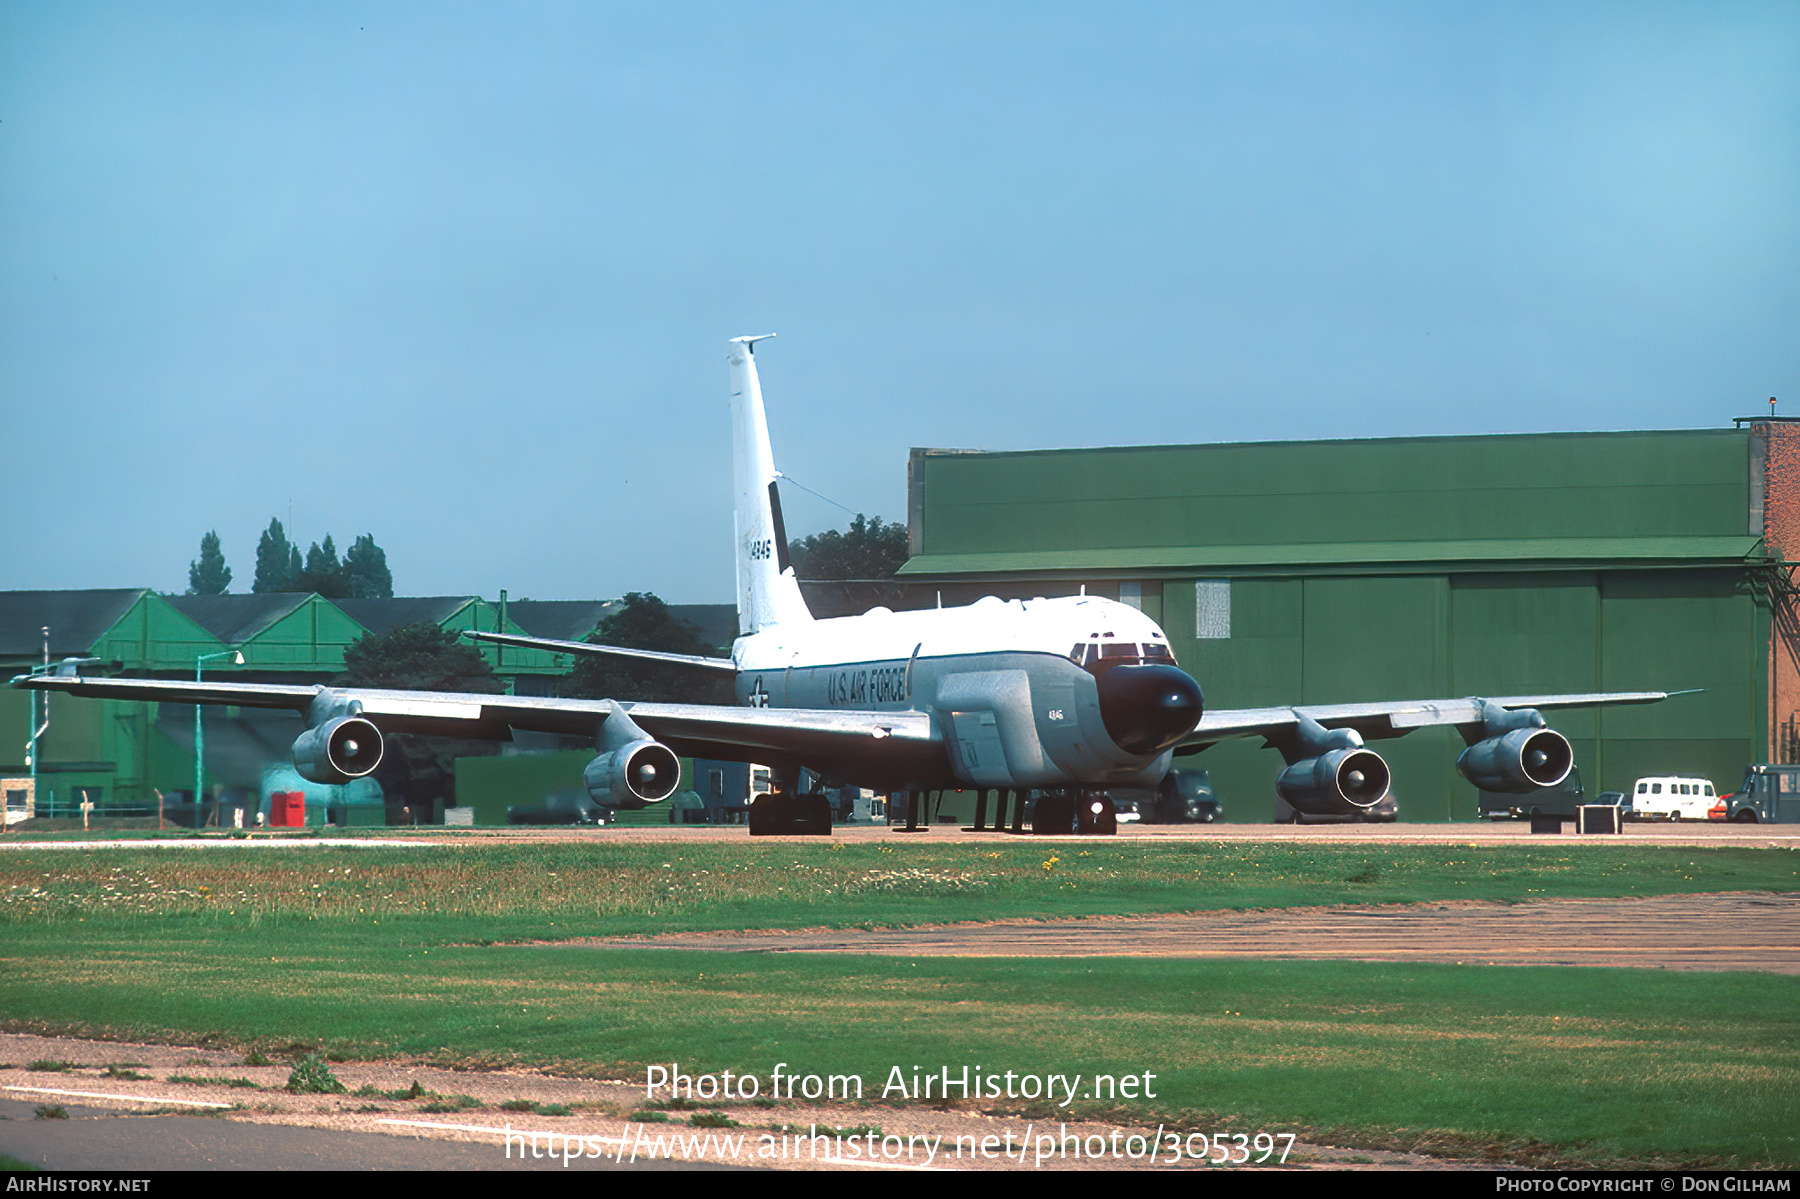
1183	797
1385	812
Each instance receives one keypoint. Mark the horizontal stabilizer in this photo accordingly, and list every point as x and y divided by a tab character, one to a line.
720	665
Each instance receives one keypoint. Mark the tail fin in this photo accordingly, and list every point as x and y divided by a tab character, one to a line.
768	594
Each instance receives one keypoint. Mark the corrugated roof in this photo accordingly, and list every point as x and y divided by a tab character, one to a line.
235	619
717	624
559	620
382	615
573	620
1359	553
77	619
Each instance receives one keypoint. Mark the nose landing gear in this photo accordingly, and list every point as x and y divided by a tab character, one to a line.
1075	812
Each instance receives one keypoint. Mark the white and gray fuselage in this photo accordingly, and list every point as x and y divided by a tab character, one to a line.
1013	686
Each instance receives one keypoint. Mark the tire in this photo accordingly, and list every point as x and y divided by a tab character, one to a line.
1104	823
781	815
1053	816
1745	816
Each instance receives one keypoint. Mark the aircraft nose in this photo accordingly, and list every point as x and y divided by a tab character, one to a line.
1148	708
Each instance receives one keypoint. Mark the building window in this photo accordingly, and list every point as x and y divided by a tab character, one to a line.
1132	594
1212	609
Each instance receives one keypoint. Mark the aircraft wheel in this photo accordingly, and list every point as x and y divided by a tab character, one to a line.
779	814
811	816
1095	815
766	813
1054	815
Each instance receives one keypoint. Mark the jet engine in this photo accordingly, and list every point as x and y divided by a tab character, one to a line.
1515	753
339	750
1344	780
638	773
1336	775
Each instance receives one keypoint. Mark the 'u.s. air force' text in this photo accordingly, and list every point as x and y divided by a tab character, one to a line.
858	687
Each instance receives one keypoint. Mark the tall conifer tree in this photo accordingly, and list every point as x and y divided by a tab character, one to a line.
209	575
277	562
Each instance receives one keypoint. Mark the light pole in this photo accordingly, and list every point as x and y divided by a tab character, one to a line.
237	657
38	730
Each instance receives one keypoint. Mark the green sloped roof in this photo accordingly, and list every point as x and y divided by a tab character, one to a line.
237	618
77	620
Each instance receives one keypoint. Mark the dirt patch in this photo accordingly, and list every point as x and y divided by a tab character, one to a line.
1749	931
603	1115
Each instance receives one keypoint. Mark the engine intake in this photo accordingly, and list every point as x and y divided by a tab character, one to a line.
1343	780
339	750
1511	751
1520	761
639	773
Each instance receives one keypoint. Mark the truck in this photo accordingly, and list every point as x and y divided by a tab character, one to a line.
1559	801
1769	795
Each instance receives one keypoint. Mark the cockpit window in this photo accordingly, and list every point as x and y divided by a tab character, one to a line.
1099	655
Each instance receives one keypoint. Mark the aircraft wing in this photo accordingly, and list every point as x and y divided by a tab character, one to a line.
1389	719
703	730
723	665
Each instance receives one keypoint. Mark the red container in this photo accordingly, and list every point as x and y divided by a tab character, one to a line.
287	809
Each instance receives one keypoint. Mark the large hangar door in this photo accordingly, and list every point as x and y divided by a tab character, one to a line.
1374	638
1386	637
1519	633
1684	628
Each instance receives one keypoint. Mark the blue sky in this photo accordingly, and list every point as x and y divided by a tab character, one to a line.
461	275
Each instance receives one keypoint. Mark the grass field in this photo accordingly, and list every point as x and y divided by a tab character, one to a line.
566	889
376	952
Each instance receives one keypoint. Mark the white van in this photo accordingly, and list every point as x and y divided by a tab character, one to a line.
1672	797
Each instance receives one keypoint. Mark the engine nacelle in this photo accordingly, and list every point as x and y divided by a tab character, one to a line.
339	750
635	774
1517	762
1343	780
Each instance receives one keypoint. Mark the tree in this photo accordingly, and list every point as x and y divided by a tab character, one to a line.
209	575
869	549
645	622
418	657
366	570
277	562
846	573
421	657
323	572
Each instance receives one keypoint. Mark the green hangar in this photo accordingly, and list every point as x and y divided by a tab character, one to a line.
1309	572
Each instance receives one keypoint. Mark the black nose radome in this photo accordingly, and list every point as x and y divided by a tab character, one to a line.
1149	708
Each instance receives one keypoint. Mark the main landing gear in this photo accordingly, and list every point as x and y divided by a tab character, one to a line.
787	814
1062	812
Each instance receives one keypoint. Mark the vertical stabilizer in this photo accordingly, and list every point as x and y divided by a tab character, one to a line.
768	594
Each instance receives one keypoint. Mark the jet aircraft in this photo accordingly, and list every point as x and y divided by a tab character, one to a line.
1065	696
